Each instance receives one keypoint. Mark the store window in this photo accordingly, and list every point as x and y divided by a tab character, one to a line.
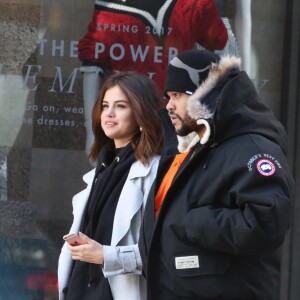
51	67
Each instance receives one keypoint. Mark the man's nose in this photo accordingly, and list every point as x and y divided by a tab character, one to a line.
170	105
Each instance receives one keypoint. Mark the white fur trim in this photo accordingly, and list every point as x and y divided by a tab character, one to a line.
197	110
207	132
187	142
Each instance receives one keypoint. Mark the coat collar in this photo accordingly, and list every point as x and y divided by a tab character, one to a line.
127	209
139	170
88	177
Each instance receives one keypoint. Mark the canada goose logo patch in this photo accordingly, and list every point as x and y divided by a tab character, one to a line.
265	167
266	164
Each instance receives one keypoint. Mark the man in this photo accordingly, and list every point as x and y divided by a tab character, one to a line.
220	209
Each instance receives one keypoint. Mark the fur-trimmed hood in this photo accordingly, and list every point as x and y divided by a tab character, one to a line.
227	104
197	108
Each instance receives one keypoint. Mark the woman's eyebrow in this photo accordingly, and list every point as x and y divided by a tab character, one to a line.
117	101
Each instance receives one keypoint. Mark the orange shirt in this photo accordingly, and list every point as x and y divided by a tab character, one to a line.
166	182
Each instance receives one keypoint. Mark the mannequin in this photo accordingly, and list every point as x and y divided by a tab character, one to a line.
142	36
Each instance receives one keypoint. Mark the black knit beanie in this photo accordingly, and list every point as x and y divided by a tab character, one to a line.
188	70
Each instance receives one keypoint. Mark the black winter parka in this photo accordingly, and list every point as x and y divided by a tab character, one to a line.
226	214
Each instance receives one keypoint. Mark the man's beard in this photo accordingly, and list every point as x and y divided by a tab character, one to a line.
184	130
188	125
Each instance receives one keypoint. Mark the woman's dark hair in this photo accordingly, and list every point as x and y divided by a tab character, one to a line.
145	100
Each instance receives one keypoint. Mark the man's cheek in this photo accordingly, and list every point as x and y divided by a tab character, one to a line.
190	122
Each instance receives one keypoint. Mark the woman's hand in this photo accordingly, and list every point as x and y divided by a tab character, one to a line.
91	252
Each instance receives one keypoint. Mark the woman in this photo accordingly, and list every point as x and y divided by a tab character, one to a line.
108	212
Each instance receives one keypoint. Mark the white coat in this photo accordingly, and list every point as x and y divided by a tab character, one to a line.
122	261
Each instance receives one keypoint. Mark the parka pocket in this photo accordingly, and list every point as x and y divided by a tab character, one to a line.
200	263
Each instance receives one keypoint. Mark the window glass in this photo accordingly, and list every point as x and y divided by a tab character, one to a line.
53	56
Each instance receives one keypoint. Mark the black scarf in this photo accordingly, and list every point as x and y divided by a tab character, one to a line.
110	176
